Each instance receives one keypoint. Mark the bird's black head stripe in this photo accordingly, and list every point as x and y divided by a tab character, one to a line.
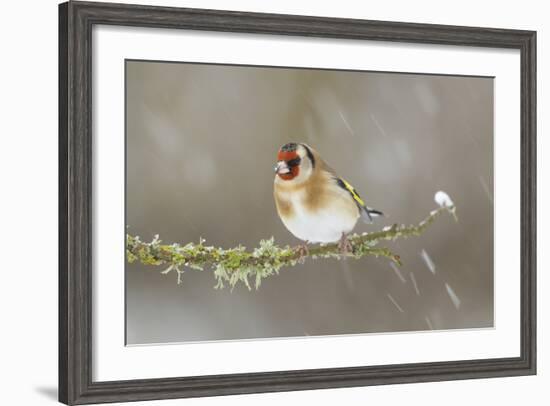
291	146
309	155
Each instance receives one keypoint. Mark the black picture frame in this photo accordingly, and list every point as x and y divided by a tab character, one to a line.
76	20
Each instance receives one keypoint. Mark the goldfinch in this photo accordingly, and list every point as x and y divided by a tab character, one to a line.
313	202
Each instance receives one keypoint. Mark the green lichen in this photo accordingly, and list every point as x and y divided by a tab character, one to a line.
231	266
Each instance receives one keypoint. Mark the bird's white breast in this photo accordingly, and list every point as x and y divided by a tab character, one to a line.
324	224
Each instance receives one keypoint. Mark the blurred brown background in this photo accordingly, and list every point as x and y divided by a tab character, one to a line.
201	145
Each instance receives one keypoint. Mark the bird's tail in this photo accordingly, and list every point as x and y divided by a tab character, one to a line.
368	214
374	212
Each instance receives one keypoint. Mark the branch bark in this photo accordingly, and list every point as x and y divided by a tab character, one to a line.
239	265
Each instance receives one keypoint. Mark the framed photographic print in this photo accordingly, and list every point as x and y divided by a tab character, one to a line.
257	202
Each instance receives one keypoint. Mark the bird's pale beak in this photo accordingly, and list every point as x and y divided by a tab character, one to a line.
281	168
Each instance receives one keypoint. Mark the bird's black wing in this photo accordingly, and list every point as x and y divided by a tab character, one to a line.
366	212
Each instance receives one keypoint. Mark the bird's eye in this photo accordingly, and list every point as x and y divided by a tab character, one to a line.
294	162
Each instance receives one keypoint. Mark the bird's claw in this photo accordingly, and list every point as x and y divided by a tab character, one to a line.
345	246
303	252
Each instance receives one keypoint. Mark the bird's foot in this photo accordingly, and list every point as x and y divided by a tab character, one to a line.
345	245
303	252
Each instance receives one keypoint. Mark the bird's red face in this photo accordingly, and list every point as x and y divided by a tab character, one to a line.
288	162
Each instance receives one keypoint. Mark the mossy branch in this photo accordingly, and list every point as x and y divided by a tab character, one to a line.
237	264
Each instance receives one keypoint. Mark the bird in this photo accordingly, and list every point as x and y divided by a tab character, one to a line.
314	203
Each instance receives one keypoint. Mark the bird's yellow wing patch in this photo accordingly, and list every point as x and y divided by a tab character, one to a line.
352	191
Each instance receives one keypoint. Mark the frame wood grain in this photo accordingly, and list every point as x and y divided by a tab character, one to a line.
76	20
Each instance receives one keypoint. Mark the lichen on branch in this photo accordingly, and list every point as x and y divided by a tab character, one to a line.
235	265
